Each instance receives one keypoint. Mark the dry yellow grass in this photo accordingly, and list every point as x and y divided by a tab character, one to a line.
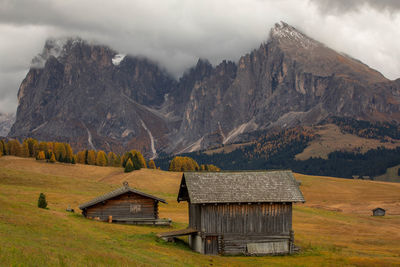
334	227
332	139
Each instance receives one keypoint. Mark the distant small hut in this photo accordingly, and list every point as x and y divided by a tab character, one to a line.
378	212
233	213
125	205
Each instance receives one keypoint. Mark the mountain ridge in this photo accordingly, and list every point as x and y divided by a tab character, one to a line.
130	102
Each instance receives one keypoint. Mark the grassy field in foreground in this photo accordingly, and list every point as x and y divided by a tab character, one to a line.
333	228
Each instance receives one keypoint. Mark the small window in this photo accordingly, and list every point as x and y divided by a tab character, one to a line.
135	208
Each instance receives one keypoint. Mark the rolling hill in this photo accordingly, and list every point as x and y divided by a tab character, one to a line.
334	227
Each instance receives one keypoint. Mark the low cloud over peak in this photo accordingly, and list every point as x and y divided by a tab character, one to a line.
176	33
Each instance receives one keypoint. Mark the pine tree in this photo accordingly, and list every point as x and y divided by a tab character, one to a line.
101	159
136	162
1	148
91	157
117	161
129	166
74	158
42	203
40	155
152	165
140	157
52	157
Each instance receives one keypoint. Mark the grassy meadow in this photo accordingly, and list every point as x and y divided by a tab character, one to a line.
333	228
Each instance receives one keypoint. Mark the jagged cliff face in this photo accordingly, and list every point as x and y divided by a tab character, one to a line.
290	80
6	122
93	97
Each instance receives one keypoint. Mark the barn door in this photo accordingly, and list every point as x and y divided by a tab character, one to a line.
211	245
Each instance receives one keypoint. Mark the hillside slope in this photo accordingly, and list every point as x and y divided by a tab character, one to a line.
333	228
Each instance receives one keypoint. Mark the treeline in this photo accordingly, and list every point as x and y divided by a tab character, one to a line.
62	152
52	151
179	164
278	151
366	129
346	164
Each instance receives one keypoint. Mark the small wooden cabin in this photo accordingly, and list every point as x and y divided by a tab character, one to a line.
378	212
125	205
233	213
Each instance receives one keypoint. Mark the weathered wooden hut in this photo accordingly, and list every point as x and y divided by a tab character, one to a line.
234	213
378	212
125	205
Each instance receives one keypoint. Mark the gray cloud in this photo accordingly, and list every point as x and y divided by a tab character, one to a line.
176	33
333	6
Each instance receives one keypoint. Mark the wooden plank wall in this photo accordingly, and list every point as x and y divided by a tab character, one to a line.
232	244
120	208
195	216
269	218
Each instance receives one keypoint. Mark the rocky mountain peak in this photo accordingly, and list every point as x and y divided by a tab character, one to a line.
92	96
286	34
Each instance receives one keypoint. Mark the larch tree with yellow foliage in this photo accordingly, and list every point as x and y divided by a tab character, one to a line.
101	158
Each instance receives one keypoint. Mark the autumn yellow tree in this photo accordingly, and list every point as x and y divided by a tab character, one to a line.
23	150
4	146
183	164
40	155
152	165
68	153
59	150
13	147
32	146
81	157
43	146
91	157
52	158
101	158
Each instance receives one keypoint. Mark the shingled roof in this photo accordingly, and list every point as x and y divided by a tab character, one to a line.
115	193
234	187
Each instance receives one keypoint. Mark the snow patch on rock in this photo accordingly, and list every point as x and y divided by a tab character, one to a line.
152	143
116	60
283	32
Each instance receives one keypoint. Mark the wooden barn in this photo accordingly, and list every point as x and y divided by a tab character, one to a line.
378	212
233	213
125	205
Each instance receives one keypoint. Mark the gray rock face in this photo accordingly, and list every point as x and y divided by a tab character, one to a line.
6	122
91	96
290	80
84	98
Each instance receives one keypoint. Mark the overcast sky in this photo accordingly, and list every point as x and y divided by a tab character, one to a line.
175	33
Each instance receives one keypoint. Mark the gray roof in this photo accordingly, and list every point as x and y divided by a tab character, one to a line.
115	193
229	187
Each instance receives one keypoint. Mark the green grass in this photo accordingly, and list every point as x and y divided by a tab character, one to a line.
30	236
